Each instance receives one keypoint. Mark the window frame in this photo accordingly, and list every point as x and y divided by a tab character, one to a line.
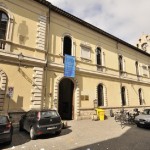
1	23
86	47
9	29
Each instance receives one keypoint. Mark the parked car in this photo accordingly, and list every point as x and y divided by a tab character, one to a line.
143	119
6	128
38	122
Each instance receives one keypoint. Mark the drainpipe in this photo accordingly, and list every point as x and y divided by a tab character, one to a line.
47	54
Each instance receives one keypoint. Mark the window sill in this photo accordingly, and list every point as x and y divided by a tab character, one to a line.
101	68
85	59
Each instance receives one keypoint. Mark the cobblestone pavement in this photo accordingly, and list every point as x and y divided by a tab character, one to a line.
86	135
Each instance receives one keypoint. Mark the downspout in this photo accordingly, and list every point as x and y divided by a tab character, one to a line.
46	58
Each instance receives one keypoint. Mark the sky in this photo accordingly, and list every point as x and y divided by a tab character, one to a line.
125	19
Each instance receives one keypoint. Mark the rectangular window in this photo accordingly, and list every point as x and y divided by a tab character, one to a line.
48	114
85	52
84	97
145	71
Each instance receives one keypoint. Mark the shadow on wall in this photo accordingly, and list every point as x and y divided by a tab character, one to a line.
15	109
23	32
27	78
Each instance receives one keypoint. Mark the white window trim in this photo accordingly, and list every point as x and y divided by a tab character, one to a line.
73	47
145	70
86	47
123	63
126	96
102	56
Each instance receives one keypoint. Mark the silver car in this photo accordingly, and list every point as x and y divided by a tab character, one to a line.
143	119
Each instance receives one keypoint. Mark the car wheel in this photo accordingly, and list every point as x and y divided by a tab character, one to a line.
32	134
58	132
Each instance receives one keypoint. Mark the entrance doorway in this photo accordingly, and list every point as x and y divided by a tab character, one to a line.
65	103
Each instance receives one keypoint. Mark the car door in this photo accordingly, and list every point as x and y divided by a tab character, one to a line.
30	120
26	120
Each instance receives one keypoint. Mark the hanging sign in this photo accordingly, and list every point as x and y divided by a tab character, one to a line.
69	69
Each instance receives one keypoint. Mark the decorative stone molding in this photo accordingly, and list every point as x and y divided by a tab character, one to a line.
76	95
144	43
3	84
41	33
37	87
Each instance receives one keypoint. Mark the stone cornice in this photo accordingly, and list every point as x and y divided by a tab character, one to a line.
86	72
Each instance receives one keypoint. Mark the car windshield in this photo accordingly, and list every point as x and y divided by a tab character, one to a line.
146	112
3	119
52	113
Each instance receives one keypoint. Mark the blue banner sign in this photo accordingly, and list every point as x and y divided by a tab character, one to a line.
69	69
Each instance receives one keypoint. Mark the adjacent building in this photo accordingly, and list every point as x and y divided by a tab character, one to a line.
36	36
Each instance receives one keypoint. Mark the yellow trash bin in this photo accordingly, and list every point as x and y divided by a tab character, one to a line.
100	113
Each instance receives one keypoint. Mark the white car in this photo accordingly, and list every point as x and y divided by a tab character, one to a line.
143	119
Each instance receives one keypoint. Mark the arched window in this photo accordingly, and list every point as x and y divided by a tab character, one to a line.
140	96
67	46
137	68
100	92
120	64
3	24
123	96
99	56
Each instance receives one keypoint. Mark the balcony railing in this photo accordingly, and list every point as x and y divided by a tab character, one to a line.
2	44
101	68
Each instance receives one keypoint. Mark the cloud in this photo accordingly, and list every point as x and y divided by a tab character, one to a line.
124	19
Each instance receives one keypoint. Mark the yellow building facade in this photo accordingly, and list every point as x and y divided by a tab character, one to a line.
109	72
22	54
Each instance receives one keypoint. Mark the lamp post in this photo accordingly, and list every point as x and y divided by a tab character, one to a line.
20	57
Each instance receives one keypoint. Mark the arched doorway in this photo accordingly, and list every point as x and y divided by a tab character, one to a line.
65	103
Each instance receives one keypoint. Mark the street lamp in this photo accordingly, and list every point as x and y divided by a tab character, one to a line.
20	57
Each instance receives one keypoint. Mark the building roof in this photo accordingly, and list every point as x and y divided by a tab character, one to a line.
88	25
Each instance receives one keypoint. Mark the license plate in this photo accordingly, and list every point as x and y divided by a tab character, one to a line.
51	128
142	123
